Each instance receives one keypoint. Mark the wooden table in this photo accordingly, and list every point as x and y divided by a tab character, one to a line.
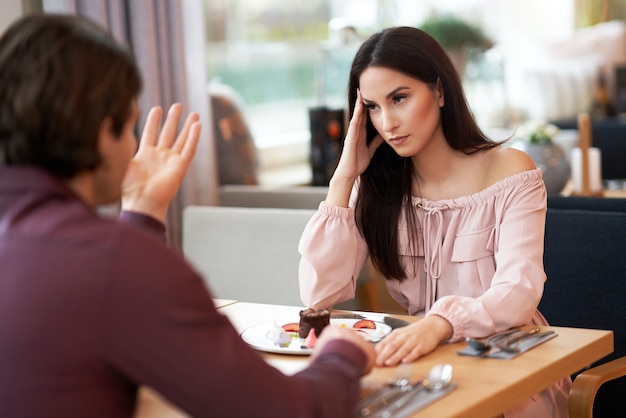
486	387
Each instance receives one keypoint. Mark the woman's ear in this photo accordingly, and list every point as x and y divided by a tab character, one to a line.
439	88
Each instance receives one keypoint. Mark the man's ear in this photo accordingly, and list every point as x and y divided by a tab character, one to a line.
105	137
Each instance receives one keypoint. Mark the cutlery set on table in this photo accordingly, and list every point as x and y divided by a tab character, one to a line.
507	344
401	397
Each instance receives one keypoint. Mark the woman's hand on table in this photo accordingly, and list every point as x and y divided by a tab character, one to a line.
407	344
356	338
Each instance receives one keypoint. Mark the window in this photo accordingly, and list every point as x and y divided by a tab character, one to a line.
285	58
268	51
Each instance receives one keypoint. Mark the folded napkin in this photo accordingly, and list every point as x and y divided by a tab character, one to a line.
522	346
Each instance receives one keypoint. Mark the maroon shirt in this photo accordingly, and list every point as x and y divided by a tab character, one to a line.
91	308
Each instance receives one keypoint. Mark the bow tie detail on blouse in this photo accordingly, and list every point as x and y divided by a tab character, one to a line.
433	245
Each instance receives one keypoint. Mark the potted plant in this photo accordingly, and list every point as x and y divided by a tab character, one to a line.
536	139
538	132
462	40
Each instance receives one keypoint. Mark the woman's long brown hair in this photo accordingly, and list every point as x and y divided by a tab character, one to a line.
386	183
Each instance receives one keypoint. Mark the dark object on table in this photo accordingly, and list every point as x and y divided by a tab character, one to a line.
585	263
327	132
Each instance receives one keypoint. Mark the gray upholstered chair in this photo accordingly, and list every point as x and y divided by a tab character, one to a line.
292	197
302	197
246	254
585	263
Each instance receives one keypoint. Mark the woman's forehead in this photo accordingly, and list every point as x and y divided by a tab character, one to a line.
382	80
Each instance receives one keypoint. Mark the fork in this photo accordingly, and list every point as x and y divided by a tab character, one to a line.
397	385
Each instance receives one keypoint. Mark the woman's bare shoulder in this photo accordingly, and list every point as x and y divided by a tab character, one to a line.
504	162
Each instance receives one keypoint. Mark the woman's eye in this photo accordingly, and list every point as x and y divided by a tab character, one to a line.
370	107
399	99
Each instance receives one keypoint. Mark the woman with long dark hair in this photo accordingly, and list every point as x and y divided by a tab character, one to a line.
452	220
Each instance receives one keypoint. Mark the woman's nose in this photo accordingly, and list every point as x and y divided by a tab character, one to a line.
389	121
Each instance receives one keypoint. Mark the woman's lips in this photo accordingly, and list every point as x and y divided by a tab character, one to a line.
397	140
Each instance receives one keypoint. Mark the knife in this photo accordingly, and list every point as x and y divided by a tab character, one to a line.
395	322
389	320
515	338
513	346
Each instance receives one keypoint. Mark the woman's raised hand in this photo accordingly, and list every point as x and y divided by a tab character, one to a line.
156	172
355	157
357	154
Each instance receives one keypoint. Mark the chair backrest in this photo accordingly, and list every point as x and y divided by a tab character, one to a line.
293	197
587	203
585	263
247	254
299	197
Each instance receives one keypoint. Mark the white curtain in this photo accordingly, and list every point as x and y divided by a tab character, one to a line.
167	39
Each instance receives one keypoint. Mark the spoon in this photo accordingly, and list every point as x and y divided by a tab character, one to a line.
483	344
439	378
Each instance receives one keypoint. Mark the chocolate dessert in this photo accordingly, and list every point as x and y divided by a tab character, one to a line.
313	318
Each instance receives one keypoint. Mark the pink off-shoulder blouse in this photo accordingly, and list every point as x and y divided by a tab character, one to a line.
478	262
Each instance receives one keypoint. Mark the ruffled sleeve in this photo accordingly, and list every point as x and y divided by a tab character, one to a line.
333	253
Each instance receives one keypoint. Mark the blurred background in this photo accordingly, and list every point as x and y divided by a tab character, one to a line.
288	63
276	71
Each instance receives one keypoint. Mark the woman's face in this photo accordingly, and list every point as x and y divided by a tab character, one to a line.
404	110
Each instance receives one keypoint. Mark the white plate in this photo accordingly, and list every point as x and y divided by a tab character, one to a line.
256	336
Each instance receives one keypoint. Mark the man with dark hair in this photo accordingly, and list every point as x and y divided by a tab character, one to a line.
92	308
